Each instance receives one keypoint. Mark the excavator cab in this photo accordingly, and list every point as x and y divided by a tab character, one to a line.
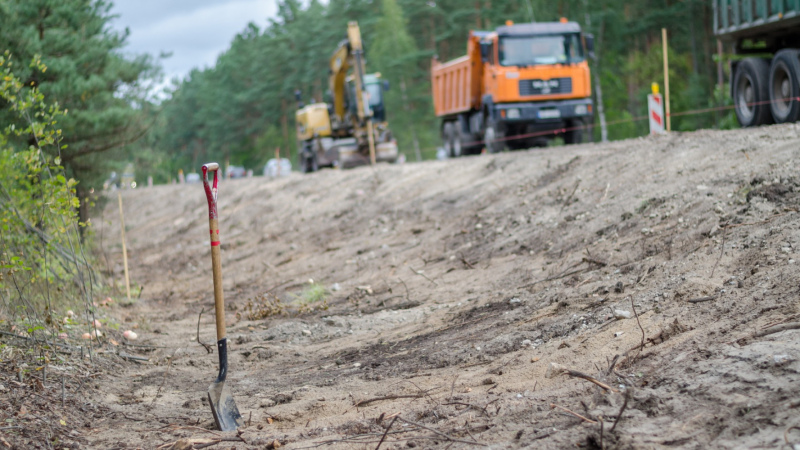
375	88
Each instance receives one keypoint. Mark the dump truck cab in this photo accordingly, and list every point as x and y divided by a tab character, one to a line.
531	69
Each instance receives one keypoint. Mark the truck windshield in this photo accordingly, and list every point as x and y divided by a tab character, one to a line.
536	50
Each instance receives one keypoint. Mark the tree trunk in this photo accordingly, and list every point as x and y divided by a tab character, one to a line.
285	127
83	209
693	38
601	113
531	16
414	138
598	89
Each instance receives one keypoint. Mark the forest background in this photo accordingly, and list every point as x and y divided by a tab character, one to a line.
242	108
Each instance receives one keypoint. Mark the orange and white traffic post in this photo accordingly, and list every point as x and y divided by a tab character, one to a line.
655	111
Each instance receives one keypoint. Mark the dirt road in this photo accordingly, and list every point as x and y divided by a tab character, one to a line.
663	267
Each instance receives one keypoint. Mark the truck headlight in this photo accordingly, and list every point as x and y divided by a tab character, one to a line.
513	113
581	110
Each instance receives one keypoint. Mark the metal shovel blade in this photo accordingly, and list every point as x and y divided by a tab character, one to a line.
226	414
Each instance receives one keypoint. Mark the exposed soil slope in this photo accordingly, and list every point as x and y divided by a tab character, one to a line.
460	282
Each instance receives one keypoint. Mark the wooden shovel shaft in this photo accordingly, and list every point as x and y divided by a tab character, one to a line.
216	269
216	259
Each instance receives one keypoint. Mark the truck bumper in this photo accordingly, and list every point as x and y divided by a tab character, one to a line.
546	113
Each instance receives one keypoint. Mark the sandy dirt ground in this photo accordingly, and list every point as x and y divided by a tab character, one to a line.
468	301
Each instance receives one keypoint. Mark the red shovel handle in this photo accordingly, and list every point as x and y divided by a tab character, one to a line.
211	189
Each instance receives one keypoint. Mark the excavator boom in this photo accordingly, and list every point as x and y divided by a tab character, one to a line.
349	54
357	50
340	64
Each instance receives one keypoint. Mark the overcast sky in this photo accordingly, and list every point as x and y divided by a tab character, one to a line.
195	31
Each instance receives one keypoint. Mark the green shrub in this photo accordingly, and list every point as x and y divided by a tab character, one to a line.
43	269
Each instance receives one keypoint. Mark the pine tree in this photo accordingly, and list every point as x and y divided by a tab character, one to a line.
104	93
395	54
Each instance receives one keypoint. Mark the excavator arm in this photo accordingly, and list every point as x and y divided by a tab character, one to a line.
340	64
350	53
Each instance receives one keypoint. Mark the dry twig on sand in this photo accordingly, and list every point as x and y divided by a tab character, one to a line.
386	432
786	433
206	346
628	393
439	433
386	397
640	327
556	369
164	379
612	364
721	250
422	274
464	260
553	405
593	262
777	329
199	443
569	199
703	299
470	406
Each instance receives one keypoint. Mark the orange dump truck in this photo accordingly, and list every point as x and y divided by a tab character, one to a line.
517	87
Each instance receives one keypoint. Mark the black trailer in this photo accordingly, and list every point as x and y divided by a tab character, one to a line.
765	80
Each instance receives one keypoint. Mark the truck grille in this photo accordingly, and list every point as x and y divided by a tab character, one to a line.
545	87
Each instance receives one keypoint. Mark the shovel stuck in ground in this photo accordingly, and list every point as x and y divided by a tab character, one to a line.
226	414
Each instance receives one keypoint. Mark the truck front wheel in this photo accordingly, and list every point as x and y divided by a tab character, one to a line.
751	92
308	159
447	138
574	133
494	137
784	77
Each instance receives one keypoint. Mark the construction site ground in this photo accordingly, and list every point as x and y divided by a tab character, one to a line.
457	294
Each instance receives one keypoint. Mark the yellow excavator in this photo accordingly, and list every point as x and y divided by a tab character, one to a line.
352	131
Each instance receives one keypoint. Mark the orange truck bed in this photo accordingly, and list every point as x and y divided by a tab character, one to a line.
457	84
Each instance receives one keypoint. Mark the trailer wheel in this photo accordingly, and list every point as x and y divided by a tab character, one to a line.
493	137
784	86
751	92
458	141
447	138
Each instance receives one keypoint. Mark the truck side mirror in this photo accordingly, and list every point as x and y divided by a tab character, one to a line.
386	85
486	50
589	38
